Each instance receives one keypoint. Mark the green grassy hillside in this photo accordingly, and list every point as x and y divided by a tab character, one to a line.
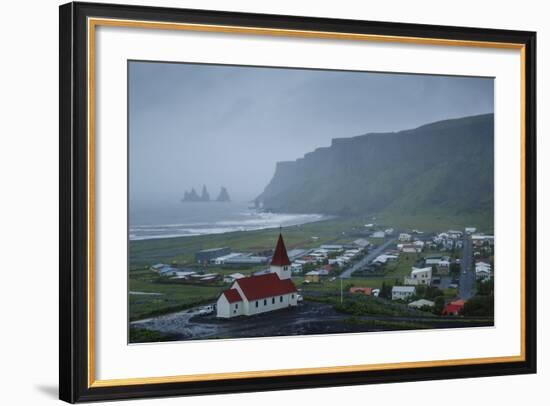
441	169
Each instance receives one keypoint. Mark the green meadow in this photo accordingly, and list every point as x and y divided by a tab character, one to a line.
171	296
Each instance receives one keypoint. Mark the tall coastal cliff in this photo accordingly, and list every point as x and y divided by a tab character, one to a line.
443	167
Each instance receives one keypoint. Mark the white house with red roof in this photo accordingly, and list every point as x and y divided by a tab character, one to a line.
261	293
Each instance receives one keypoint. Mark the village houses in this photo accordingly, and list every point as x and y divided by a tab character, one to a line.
402	292
419	276
404	237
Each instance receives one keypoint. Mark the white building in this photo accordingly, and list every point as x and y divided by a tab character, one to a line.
296	267
483	270
332	247
402	292
454	234
418	304
319	256
378	234
470	230
362	242
483	273
342	259
483	237
419	276
183	274
221	260
433	260
233	277
444	263
385	258
261	293
419	243
404	237
410	249
158	267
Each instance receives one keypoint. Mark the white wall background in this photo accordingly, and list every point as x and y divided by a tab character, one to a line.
29	188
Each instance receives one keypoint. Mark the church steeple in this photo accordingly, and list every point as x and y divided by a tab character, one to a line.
280	257
280	264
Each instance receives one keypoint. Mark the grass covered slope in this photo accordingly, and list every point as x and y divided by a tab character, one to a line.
444	168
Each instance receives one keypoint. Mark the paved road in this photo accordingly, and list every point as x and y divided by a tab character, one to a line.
366	259
467	280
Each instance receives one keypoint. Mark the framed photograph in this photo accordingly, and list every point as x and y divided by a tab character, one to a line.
258	202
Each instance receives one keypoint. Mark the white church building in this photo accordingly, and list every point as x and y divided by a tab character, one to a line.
261	293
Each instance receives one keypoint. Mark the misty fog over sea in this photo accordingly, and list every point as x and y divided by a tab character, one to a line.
300	141
201	218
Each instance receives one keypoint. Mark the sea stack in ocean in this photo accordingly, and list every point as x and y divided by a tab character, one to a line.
193	196
205	196
223	196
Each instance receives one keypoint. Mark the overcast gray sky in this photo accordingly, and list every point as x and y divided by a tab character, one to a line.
222	125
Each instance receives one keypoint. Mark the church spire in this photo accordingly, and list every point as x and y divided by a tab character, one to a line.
280	257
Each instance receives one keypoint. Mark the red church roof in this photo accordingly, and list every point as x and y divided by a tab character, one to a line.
280	257
267	285
232	295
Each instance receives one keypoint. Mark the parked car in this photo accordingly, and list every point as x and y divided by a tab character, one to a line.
206	310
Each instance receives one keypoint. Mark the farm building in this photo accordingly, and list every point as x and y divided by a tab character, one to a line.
296	253
332	247
205	256
221	260
246	260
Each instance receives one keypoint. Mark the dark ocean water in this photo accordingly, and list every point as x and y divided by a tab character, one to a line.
201	218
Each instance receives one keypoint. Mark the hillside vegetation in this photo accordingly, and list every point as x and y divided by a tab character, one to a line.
440	169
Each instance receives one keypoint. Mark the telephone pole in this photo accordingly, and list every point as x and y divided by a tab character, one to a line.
341	291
